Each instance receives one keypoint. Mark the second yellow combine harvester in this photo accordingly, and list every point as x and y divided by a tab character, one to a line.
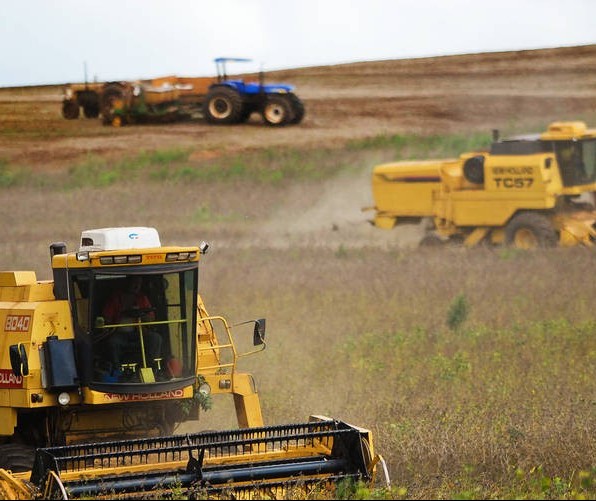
89	403
527	191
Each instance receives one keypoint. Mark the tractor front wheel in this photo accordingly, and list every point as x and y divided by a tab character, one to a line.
277	111
223	106
528	230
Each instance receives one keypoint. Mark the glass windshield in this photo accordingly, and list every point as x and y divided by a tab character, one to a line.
577	160
140	327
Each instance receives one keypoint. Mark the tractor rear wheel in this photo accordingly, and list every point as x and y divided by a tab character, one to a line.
70	110
91	110
277	111
297	108
223	106
528	230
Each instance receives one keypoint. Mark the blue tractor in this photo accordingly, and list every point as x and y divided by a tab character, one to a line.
234	101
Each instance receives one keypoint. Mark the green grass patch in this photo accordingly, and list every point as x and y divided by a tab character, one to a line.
268	166
410	147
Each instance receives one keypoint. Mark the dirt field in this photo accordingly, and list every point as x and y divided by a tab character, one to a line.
512	91
357	330
422	96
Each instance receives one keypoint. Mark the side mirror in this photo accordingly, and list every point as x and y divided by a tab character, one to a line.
18	360
548	162
259	333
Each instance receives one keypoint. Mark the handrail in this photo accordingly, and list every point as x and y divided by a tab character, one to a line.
136	324
217	346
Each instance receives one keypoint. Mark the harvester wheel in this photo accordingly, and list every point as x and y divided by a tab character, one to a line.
223	106
528	230
70	110
16	457
297	108
278	111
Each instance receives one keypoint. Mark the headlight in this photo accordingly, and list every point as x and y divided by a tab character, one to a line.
64	398
205	389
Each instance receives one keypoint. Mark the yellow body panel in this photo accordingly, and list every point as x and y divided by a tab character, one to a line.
406	188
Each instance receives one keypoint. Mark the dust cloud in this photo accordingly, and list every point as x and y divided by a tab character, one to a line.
334	218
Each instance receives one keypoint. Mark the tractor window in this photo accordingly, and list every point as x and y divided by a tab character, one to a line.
81	301
588	157
142	327
577	161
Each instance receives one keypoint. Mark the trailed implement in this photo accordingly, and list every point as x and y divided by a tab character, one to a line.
239	464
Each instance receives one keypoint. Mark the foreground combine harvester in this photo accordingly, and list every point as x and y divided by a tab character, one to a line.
76	423
528	191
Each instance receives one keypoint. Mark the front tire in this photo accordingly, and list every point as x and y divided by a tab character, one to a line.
277	111
223	106
528	230
16	457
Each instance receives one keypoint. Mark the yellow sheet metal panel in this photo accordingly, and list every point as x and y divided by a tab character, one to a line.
17	278
477	208
97	397
526	174
567	130
406	188
385	221
8	420
40	291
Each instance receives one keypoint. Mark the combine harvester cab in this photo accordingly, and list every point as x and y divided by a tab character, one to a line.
529	191
85	416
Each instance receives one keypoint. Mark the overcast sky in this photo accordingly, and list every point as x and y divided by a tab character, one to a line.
52	41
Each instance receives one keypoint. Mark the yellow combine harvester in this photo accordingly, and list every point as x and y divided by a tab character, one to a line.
528	191
89	398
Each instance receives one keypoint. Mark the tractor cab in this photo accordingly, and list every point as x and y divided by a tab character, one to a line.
134	307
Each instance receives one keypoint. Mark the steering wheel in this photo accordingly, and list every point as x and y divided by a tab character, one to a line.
137	312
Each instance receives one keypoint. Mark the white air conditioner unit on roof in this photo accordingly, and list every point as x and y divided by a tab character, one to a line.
134	237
